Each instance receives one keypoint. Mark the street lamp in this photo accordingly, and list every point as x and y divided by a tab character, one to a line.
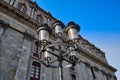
61	49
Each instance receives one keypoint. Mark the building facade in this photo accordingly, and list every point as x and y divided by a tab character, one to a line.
19	49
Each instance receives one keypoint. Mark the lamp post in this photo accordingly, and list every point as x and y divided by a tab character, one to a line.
49	49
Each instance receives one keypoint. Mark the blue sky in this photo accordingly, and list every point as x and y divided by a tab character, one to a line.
99	21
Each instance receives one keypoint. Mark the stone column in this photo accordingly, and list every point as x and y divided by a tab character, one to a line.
66	71
55	74
24	57
96	70
49	73
32	12
43	73
84	72
103	74
11	2
90	75
79	75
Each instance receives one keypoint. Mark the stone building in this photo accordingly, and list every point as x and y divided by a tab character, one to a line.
19	50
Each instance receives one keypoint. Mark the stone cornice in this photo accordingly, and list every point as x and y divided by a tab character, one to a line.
90	44
95	59
91	49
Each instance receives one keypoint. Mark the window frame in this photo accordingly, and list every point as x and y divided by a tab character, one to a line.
22	7
35	71
39	18
36	48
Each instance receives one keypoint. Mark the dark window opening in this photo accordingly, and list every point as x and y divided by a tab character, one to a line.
39	18
22	7
35	52
35	71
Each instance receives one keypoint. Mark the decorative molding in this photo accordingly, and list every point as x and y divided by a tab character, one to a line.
91	47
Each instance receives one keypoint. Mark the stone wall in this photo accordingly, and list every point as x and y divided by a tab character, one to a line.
10	49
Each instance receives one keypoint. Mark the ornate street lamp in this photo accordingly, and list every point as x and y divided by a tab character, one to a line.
50	49
72	30
44	31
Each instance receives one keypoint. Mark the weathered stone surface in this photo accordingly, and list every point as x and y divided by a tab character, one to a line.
10	50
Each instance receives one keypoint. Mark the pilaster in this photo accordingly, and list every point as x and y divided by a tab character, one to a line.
88	66
21	72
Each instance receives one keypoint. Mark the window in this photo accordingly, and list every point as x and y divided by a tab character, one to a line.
39	18
35	71
73	77
22	7
35	52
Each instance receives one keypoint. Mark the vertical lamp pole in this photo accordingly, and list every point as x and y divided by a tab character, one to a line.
58	28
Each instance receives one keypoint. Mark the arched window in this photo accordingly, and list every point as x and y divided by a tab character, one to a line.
35	71
35	52
22	7
39	18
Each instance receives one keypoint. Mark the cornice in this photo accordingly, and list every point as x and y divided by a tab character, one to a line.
95	59
85	40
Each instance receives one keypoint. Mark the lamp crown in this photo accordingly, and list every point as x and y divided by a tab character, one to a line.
58	22
45	27
72	24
